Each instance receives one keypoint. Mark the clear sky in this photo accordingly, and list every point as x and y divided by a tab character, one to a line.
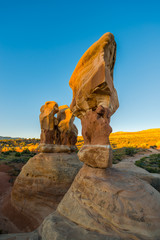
42	41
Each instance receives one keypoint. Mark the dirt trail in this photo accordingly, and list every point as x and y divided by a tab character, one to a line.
139	156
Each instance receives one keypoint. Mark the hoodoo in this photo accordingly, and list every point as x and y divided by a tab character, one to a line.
101	198
103	202
47	176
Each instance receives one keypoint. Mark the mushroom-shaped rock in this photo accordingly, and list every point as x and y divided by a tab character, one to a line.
95	100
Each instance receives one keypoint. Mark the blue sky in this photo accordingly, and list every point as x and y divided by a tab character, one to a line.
42	41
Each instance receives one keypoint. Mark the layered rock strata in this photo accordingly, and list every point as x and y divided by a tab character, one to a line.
47	176
114	203
92	79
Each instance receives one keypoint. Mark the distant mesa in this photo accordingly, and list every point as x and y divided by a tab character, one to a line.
7	138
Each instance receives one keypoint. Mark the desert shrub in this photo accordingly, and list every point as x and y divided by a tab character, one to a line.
154	146
6	153
117	157
118	154
17	154
26	151
130	151
151	163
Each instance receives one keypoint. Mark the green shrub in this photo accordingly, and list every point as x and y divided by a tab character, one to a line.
151	163
26	151
17	154
130	151
6	153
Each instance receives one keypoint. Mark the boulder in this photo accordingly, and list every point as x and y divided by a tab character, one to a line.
92	79
98	156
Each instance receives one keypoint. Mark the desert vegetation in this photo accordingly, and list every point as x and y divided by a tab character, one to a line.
15	161
142	139
16	152
19	144
151	163
130	140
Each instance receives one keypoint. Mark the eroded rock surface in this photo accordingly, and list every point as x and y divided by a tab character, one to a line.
68	131
48	122
42	183
96	128
95	98
58	130
131	168
92	79
47	176
110	201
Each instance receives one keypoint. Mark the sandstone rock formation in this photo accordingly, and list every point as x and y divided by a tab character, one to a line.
48	122
111	201
103	199
42	183
103	202
47	176
68	131
58	134
95	99
129	167
92	79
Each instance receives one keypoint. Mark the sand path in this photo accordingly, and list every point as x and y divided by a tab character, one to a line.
138	156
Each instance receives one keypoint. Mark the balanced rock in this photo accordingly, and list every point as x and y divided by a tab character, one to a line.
92	79
107	201
95	100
